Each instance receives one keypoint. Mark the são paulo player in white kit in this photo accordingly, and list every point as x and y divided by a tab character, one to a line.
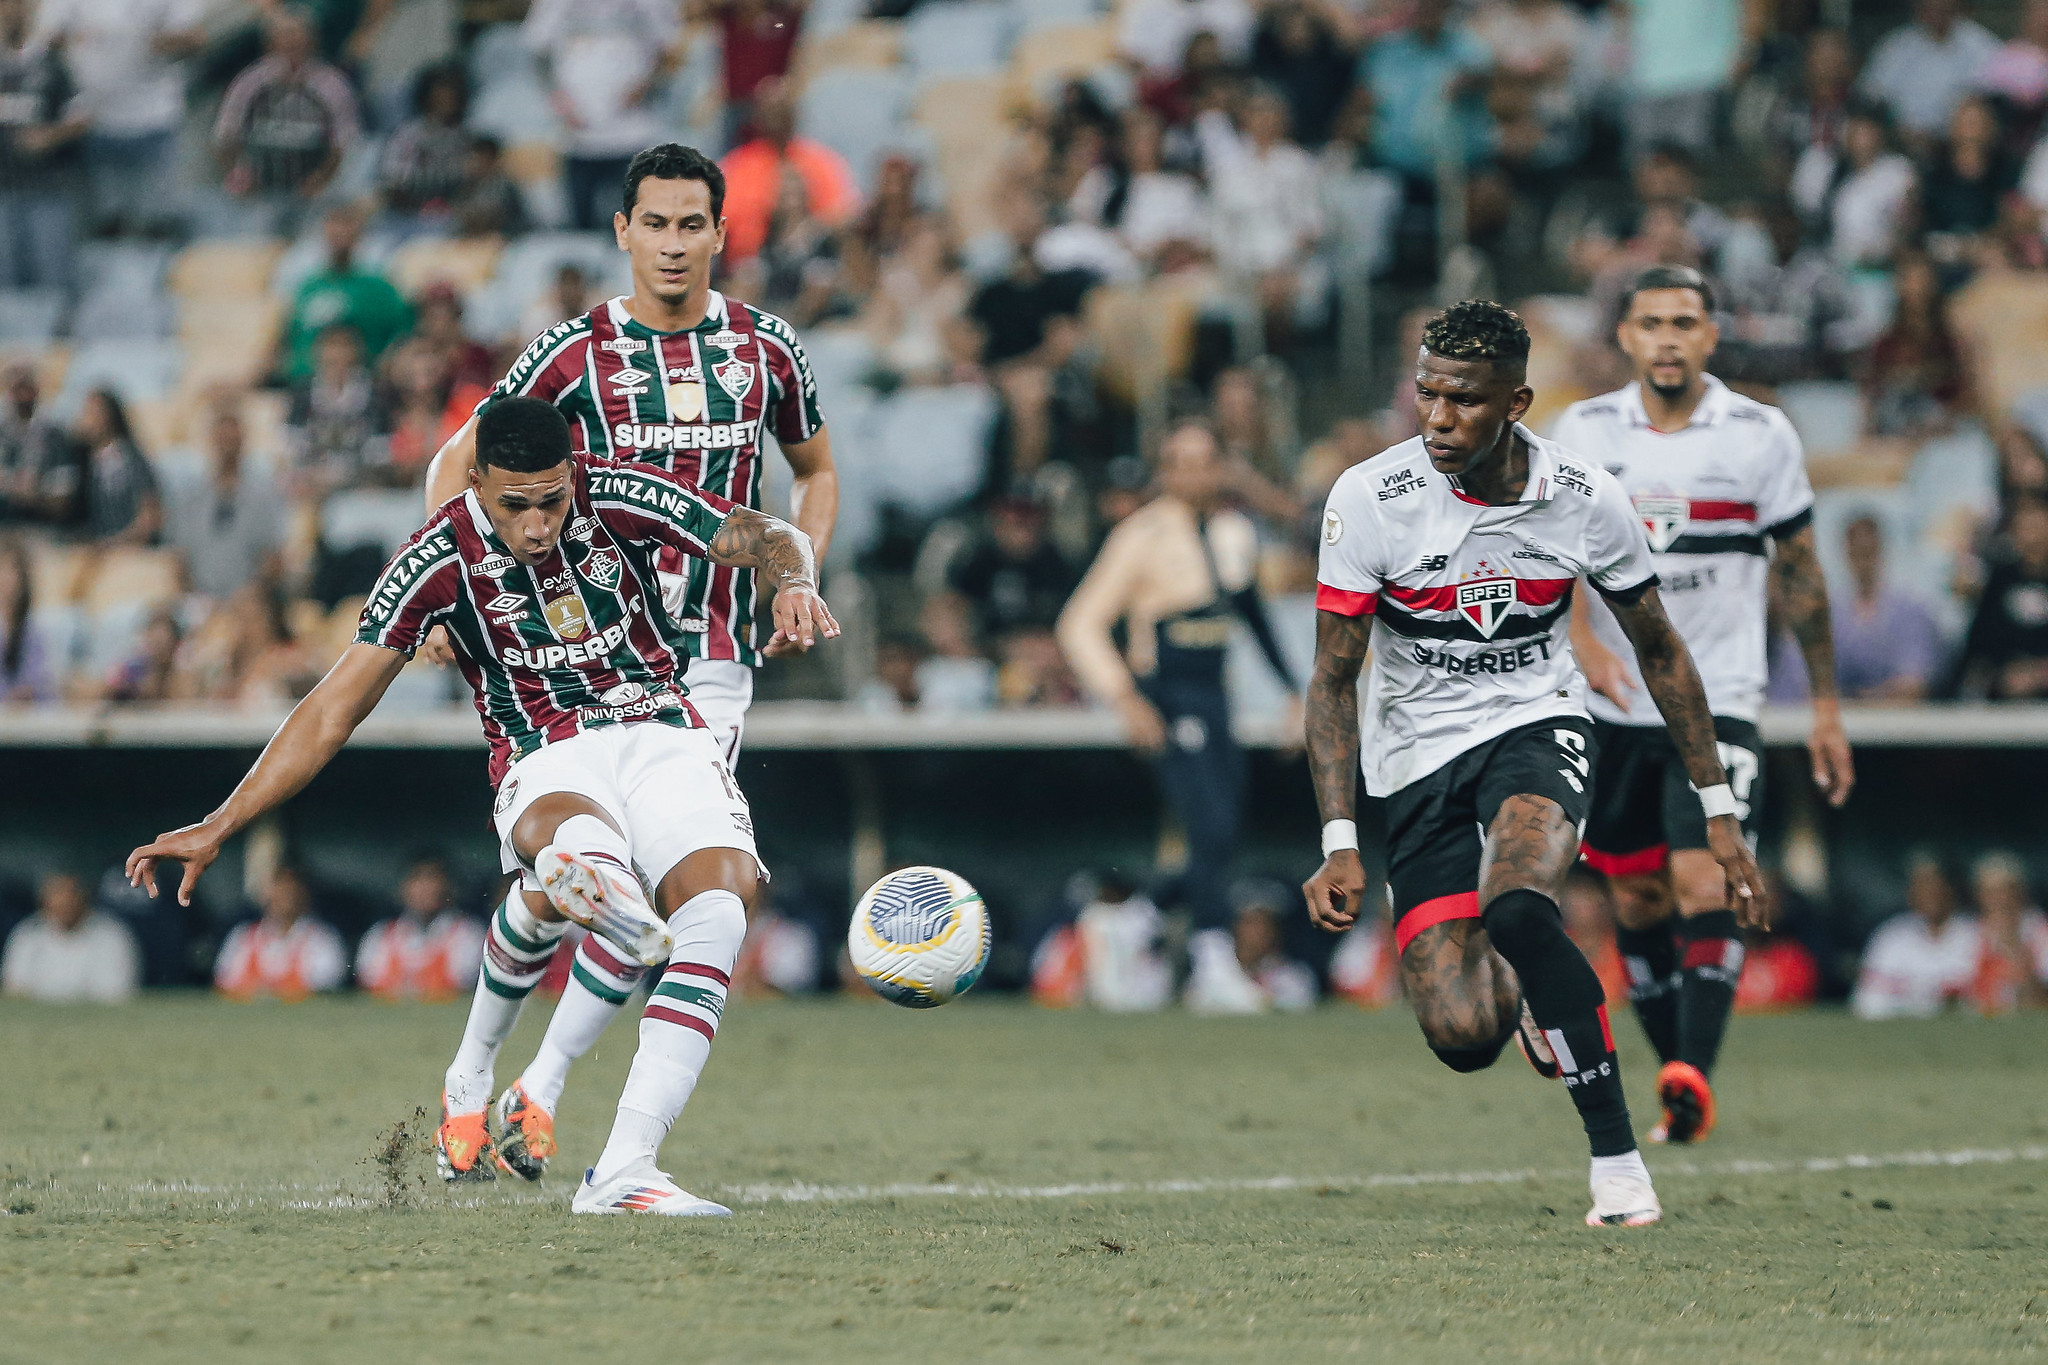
680	376
1455	555
1719	483
544	575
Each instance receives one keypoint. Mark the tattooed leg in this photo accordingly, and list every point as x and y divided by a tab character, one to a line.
1465	996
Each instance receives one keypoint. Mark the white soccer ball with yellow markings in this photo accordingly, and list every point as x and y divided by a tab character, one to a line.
919	937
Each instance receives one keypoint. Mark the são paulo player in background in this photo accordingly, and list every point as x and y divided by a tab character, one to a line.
543	574
1454	555
1719	482
677	375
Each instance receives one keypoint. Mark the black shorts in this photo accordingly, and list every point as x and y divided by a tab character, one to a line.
1643	803
1437	824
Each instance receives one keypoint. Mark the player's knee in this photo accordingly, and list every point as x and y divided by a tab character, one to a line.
1520	921
1640	902
1697	883
1468	1048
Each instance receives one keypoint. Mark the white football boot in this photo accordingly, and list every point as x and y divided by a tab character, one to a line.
606	900
1622	1195
641	1188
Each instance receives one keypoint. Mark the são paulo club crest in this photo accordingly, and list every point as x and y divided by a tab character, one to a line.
1485	602
735	376
1664	518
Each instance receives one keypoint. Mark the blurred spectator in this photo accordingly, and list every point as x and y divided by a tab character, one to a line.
2013	970
1153	34
425	162
1203	80
1365	969
1426	80
893	688
569	296
916	315
1815	114
1856	195
439	317
755	172
1888	647
1779	973
757	38
1029	333
890	219
1299	49
416	388
68	952
2017	74
430	950
1921	69
1535	46
1268	213
2005	652
27	673
125	57
779	955
1684	56
342	293
1159	216
106	491
1970	174
269	667
288	954
797	274
487	203
150	673
1110	957
956	677
1289	986
335	422
33	451
40	128
1914	380
1920	962
1351	440
1034	673
605	61
286	121
1012	577
231	528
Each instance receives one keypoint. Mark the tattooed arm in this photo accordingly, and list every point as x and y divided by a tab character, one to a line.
755	540
1331	722
1800	594
1674	684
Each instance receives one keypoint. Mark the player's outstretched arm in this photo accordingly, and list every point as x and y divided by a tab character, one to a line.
1674	684
1330	726
1799	592
755	540
302	746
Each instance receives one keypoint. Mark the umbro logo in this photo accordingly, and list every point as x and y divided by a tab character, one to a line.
506	608
631	383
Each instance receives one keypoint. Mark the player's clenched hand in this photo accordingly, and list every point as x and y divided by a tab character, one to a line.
801	620
437	650
1334	892
1746	895
196	846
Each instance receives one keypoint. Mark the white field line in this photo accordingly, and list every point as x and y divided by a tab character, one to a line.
800	1193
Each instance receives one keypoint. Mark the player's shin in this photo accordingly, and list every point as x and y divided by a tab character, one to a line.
1651	956
600	982
1711	964
1564	996
677	1028
517	950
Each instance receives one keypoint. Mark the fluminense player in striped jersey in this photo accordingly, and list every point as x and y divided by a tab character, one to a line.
679	376
543	573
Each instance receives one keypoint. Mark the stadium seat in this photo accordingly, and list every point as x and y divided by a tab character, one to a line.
526	270
857	113
840	356
30	316
224	269
129	575
1037	14
937	446
228	341
384	517
1049	56
1827	413
875	44
827	17
466	263
2003	320
56	569
966	38
132	368
122	291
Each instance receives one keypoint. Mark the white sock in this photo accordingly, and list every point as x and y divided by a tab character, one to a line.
1628	1163
517	950
599	985
593	838
677	1029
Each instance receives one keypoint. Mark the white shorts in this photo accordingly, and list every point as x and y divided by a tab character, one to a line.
722	690
668	788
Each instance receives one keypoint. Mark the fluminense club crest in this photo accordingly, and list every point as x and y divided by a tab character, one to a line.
735	376
602	568
1664	518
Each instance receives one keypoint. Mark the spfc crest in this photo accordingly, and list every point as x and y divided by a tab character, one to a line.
568	617
1664	519
602	568
735	376
1485	602
686	400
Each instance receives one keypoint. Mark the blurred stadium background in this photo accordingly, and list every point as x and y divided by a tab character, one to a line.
258	260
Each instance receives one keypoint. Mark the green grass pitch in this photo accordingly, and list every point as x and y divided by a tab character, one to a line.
190	1180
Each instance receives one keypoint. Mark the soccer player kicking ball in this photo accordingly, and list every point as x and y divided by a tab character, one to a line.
1718	482
543	574
1454	555
682	377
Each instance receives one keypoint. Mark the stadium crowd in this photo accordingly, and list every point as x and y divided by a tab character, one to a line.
257	261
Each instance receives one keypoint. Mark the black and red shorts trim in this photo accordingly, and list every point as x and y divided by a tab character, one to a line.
1643	803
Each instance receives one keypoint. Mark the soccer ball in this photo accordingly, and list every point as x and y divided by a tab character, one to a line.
919	937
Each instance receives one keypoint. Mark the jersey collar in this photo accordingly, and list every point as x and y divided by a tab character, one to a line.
716	315
1542	482
1712	407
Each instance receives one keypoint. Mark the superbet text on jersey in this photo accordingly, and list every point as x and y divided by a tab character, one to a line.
694	402
1470	602
1710	496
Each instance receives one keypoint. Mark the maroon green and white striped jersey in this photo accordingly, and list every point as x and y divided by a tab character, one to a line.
555	648
693	402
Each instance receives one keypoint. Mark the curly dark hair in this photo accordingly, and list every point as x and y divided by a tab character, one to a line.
1478	329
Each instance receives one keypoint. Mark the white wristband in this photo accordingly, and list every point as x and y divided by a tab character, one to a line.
1717	800
1339	834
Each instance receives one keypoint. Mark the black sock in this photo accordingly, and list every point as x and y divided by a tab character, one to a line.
1565	998
1651	956
1711	965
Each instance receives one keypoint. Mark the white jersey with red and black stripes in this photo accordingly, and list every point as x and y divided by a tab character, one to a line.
1711	497
1469	601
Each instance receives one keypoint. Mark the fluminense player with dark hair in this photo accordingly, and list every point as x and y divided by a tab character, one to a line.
1719	483
544	575
1454	556
677	375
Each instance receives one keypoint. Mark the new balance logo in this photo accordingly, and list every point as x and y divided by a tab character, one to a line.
1433	564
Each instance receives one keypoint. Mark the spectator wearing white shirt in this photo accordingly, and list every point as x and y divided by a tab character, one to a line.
1921	962
1153	34
231	527
2013	970
1161	217
1268	212
285	955
126	57
1923	69
605	61
68	952
1858	194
